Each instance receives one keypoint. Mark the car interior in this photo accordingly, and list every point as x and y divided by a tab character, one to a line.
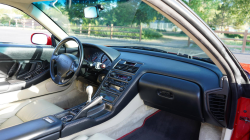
107	92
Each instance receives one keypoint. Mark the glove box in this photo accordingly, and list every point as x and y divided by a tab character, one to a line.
170	94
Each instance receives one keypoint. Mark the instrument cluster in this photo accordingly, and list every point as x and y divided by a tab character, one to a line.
96	55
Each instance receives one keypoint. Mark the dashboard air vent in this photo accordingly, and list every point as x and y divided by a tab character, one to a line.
217	105
127	68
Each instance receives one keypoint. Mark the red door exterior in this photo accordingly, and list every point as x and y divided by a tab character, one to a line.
242	123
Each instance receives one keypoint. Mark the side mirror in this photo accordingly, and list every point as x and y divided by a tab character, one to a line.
91	12
40	39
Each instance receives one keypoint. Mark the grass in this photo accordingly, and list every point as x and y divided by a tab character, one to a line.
235	43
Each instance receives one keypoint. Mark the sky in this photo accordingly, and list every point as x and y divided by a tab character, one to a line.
2	6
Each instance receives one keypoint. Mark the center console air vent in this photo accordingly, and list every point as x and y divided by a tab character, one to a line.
127	66
217	105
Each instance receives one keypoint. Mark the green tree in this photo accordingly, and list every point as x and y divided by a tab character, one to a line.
146	14
240	11
206	9
223	17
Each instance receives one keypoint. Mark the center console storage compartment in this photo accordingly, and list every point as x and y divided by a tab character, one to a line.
89	119
171	94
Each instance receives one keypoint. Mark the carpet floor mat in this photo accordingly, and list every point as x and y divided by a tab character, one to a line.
165	126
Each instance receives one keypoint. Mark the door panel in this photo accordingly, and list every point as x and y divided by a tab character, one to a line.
25	52
42	89
22	66
5	69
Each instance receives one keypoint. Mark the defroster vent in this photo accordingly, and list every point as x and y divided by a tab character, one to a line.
217	104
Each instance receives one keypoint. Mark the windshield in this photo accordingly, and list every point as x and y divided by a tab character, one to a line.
121	23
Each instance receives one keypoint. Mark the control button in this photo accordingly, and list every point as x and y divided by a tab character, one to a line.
117	83
103	66
121	89
130	70
106	84
109	106
118	67
67	118
112	74
129	78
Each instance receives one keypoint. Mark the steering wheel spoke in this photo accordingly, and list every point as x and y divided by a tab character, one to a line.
59	79
54	57
73	67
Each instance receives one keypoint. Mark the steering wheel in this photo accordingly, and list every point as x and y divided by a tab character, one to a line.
68	65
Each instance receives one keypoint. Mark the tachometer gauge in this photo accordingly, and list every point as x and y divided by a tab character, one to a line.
105	60
89	58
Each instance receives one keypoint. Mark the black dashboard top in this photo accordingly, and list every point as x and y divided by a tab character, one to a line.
204	74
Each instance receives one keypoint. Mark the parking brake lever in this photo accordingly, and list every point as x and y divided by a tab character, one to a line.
85	109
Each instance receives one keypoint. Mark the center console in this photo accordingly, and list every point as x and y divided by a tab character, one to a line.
114	86
117	81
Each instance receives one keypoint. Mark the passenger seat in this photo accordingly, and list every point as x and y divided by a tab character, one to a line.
97	136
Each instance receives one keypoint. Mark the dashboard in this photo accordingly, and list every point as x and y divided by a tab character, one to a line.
187	87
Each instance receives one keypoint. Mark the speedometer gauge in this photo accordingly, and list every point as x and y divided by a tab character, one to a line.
105	60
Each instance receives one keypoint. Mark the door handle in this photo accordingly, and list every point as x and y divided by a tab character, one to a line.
18	69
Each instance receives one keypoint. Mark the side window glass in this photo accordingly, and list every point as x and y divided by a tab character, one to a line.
17	27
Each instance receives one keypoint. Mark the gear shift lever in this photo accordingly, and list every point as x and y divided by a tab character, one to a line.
89	103
89	91
84	110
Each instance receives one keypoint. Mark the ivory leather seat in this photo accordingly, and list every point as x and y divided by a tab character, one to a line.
25	111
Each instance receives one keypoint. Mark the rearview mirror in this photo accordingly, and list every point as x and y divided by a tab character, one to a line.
40	39
91	12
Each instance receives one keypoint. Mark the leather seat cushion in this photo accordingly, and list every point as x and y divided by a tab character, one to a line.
37	109
97	136
27	111
11	122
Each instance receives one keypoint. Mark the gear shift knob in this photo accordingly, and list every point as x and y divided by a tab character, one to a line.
89	91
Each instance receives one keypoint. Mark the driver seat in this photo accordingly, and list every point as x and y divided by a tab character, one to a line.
17	113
